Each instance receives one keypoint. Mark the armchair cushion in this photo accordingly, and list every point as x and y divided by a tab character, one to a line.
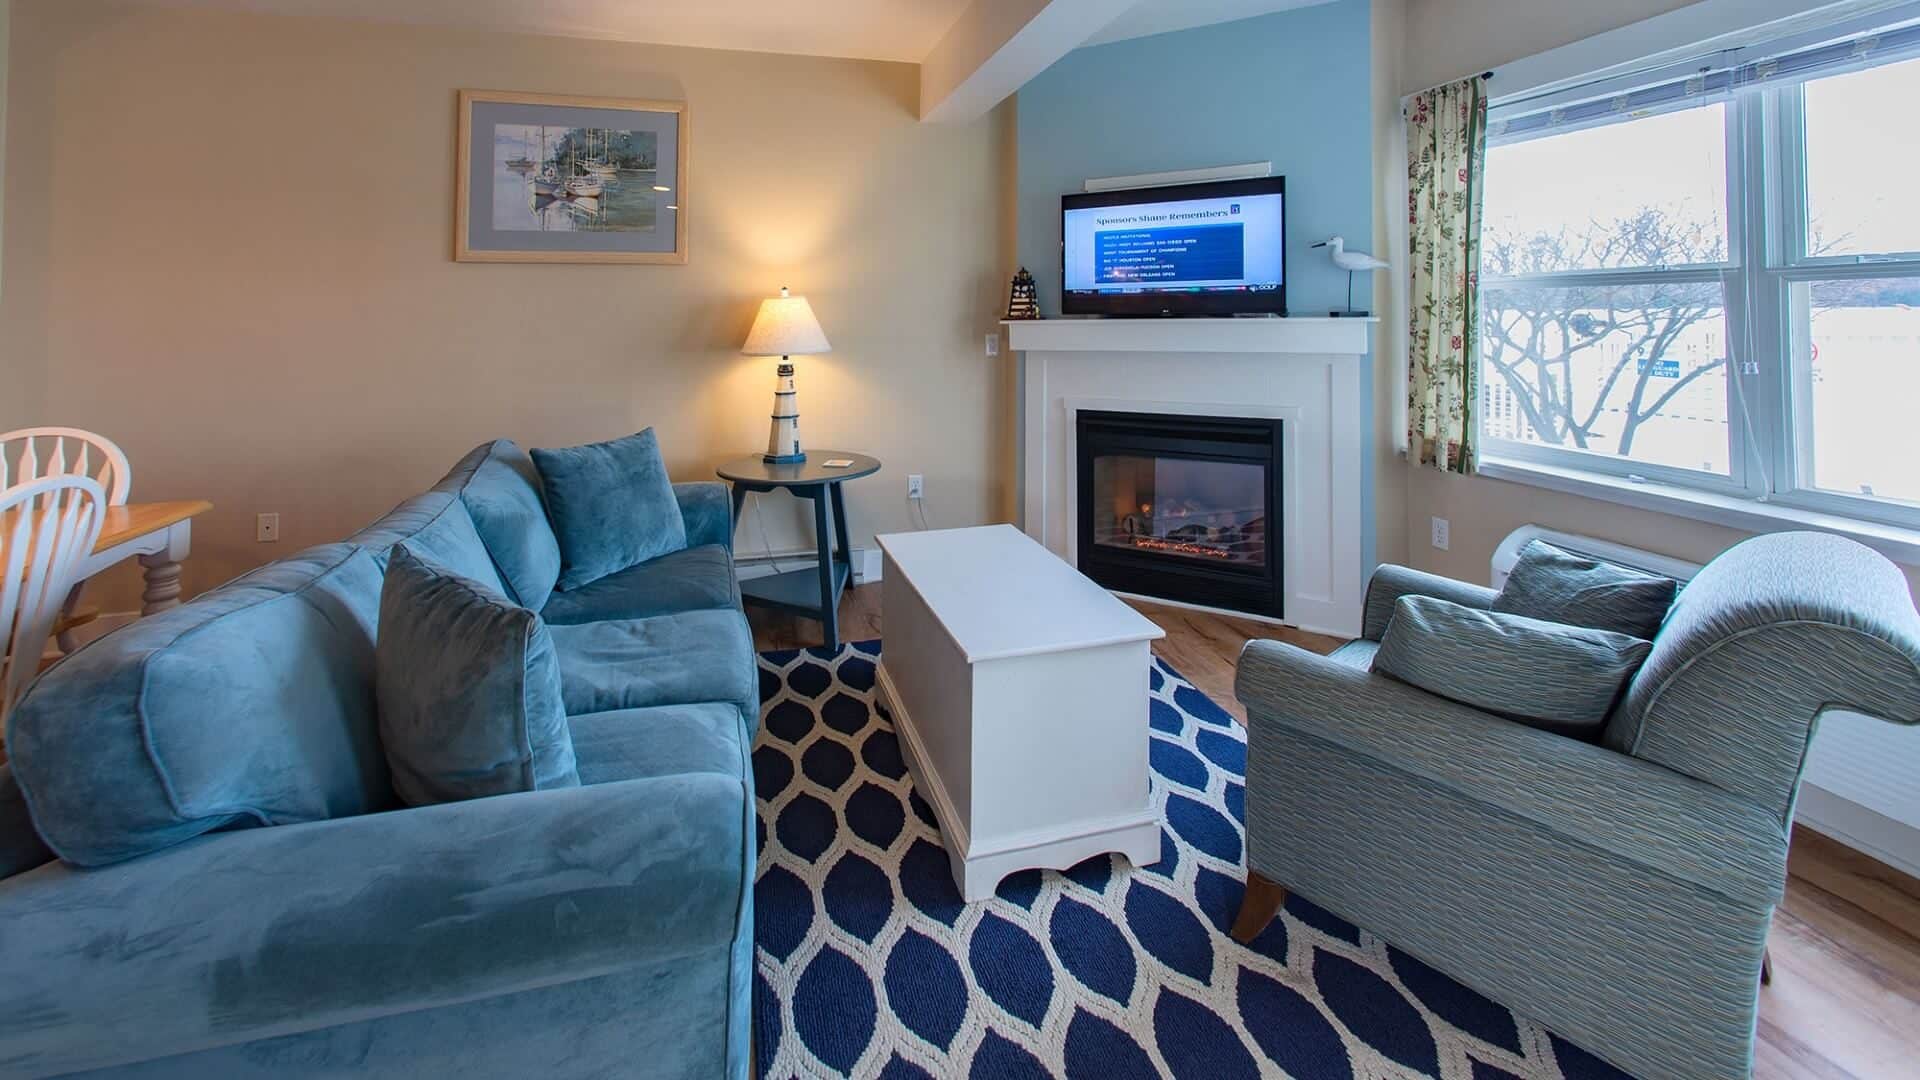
469	690
1635	811
1558	678
1389	583
612	506
1559	586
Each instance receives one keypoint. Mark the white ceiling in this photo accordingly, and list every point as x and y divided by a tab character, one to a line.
869	29
1160	16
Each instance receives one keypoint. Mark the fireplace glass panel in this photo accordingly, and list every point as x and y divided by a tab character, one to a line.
1211	512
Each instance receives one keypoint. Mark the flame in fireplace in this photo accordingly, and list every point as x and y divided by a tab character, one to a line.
1179	547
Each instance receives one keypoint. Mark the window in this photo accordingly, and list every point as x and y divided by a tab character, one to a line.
1714	282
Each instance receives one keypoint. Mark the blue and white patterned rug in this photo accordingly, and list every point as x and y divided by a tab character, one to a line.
869	965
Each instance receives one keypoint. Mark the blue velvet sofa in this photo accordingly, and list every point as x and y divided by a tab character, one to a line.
204	871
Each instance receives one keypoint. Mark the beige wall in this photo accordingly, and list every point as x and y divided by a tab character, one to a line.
15	410
229	250
1458	38
1389	18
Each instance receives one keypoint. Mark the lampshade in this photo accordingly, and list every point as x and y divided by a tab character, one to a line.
786	327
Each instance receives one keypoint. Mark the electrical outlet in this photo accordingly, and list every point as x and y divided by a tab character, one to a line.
266	528
993	345
916	485
1440	531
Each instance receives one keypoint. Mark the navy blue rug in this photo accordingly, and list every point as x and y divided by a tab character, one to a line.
868	964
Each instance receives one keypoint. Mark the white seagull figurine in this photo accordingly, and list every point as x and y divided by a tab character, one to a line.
1351	262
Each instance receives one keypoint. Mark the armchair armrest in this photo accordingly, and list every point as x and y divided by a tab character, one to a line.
1635	810
1389	583
250	934
708	511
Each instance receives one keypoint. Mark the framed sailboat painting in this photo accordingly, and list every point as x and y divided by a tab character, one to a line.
556	178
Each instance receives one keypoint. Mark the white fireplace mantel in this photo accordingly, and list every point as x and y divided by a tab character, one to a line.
1306	372
1316	335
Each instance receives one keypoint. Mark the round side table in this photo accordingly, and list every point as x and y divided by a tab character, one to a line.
815	591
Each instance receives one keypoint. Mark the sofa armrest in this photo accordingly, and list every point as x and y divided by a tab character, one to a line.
1389	583
1635	810
245	935
707	508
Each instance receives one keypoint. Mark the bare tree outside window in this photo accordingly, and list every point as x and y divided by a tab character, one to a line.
1589	365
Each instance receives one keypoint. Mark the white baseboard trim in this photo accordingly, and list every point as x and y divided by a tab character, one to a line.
1871	833
866	564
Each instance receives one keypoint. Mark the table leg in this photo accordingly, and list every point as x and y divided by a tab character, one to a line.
162	572
829	603
840	526
739	500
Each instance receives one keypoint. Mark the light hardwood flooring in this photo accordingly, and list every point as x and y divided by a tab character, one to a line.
1845	998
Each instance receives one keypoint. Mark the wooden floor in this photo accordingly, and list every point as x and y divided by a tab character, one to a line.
1845	999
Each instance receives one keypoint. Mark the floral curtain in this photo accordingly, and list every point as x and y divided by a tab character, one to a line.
1446	148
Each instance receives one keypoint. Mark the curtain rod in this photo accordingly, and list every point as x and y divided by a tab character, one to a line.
1411	94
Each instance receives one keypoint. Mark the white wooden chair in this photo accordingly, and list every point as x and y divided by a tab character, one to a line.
30	453
47	528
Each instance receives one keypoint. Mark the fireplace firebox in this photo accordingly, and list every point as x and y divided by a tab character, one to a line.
1181	507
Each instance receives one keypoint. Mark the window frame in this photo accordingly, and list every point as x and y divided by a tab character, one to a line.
1768	376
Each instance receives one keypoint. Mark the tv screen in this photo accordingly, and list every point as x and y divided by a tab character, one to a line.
1191	249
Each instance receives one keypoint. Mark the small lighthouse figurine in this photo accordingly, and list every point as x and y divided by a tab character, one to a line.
785	328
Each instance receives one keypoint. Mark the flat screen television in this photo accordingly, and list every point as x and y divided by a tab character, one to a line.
1190	249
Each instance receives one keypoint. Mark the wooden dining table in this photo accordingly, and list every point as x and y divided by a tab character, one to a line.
159	534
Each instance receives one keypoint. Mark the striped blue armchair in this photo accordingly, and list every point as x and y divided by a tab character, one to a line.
1620	892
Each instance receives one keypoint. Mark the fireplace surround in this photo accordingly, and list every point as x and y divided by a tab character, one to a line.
1182	507
1310	374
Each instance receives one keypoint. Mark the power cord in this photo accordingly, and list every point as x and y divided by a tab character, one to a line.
921	505
760	524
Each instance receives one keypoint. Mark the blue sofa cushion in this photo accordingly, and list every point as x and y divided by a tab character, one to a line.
1559	586
438	528
469	690
680	659
253	705
21	848
665	740
694	579
1547	675
612	506
497	483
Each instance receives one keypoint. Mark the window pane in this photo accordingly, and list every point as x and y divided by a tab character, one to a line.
1633	371
1860	370
1861	161
1647	192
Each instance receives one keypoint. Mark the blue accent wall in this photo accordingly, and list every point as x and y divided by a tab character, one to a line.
1292	88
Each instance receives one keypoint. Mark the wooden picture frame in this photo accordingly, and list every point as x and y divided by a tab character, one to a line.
570	179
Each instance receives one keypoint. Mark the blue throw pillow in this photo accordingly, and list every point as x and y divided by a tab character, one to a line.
1558	586
612	506
468	688
1560	678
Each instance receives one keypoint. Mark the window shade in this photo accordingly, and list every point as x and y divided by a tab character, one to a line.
1864	35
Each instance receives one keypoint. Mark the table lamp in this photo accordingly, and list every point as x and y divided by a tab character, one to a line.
785	327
